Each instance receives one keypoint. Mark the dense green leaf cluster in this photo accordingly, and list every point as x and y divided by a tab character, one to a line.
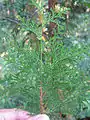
54	64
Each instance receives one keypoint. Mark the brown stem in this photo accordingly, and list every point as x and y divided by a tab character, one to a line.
60	93
52	25
41	101
51	4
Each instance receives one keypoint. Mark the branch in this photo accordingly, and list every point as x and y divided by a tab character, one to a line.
11	20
